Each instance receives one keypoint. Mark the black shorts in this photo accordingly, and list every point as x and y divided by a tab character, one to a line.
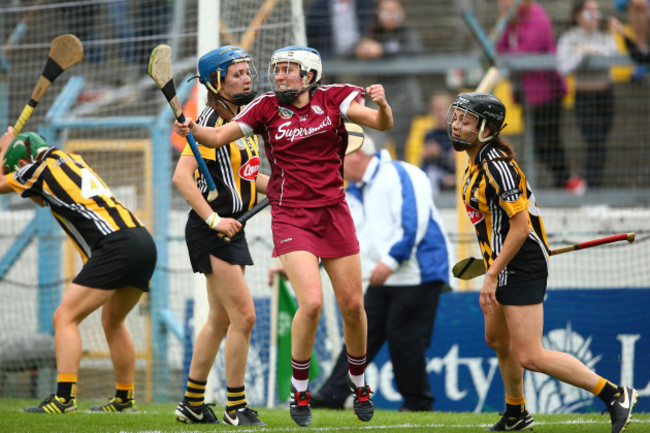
202	242
529	292
124	258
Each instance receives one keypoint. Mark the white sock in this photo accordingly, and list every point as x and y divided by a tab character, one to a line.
300	385
358	380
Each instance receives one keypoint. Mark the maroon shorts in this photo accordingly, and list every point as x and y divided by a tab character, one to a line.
326	232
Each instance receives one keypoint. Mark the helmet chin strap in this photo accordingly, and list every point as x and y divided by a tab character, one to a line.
211	87
480	134
467	145
238	99
306	89
289	96
462	147
244	98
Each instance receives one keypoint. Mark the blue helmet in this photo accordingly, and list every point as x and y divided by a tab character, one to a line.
307	58
218	61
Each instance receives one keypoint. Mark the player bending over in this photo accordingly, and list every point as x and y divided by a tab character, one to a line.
119	258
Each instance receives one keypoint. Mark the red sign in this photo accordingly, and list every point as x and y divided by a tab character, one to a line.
249	170
474	216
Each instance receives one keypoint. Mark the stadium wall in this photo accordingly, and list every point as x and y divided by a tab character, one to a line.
606	325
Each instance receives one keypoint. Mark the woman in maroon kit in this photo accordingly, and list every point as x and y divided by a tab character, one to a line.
302	126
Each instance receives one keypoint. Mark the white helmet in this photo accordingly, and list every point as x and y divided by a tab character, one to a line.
309	61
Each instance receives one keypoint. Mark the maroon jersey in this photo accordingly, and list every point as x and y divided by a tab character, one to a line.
305	146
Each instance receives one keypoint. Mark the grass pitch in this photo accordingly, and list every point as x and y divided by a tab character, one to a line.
159	417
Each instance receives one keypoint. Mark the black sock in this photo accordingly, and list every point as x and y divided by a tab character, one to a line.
609	393
514	410
123	395
515	406
66	391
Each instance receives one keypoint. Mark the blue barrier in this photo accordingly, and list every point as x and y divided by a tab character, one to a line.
608	330
188	341
17	247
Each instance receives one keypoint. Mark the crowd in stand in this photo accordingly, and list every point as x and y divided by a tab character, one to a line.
394	29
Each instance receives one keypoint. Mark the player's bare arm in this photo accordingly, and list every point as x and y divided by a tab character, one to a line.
5	141
4	186
380	119
184	181
261	182
209	137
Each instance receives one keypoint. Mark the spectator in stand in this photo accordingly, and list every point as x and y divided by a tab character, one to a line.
636	53
594	105
390	36
153	19
149	27
438	155
80	20
334	27
637	15
539	92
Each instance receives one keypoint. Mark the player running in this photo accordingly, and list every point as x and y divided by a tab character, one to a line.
510	232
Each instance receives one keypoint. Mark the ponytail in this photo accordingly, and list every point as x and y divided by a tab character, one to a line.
217	104
503	145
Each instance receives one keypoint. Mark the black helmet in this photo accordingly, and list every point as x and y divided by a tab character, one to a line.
489	110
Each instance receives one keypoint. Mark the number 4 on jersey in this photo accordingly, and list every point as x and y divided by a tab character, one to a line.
92	186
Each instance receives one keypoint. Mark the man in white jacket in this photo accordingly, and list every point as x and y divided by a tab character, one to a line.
404	259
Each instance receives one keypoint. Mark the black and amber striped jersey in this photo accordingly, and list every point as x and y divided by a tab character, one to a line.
233	168
78	198
494	190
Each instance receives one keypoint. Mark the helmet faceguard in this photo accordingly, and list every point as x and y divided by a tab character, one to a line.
308	60
472	112
217	61
466	121
26	145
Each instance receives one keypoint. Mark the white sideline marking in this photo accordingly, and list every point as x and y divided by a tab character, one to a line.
402	426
